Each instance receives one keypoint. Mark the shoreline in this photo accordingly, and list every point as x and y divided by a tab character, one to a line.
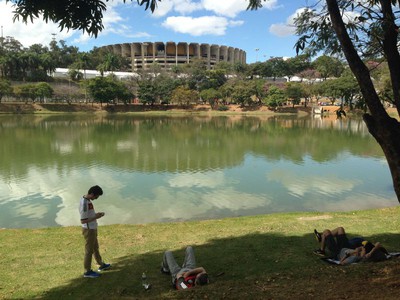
325	216
20	108
51	108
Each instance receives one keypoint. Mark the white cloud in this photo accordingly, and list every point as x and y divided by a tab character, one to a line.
114	24
281	29
298	185
229	8
38	32
185	204
349	16
187	6
177	200
81	39
163	8
197	26
287	28
354	202
207	179
180	6
271	4
236	23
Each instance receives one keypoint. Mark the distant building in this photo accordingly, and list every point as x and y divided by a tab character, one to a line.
169	54
88	74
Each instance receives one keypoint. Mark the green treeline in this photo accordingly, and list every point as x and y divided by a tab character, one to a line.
26	76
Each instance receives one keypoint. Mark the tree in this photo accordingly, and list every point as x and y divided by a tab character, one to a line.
107	90
43	90
345	88
211	96
275	97
110	63
372	30
146	92
278	68
26	92
10	62
74	74
259	69
70	14
328	66
213	79
5	88
295	92
242	92
183	95
164	86
298	64
156	89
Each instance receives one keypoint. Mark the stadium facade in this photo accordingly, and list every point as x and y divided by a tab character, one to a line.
169	54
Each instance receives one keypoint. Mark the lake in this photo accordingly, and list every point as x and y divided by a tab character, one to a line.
192	167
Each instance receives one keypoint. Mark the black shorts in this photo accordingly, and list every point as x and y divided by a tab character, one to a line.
333	246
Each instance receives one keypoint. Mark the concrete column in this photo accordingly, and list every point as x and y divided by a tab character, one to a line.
208	57
143	52
133	67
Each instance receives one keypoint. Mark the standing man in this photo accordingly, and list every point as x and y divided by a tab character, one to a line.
89	230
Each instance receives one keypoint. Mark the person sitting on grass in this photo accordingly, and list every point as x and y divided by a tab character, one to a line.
335	244
186	276
374	252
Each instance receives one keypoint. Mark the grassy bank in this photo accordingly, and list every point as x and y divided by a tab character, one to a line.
262	257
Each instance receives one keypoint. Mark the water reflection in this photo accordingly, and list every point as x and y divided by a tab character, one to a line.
156	169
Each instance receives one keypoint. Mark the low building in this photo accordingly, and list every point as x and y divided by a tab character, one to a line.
88	74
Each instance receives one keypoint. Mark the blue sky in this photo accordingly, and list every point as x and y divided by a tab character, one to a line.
221	22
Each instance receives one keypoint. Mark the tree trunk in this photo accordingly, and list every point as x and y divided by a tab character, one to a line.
387	133
383	128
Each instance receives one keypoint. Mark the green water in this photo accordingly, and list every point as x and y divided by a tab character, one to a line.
161	169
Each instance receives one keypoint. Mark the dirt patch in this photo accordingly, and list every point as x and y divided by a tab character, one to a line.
19	108
323	217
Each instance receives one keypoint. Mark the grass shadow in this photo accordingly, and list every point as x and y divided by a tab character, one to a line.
253	266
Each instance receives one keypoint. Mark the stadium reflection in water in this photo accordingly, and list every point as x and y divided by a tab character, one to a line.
164	169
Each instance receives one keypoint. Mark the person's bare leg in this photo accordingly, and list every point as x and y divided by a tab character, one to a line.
326	233
338	231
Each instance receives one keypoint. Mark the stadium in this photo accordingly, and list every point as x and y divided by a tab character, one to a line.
169	54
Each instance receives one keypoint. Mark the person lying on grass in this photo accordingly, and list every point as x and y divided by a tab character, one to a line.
335	244
186	276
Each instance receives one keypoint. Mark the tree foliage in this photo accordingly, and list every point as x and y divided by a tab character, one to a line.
108	90
328	66
5	88
294	92
85	15
43	90
275	97
69	14
183	95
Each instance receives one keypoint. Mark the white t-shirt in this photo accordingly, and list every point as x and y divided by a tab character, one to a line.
86	210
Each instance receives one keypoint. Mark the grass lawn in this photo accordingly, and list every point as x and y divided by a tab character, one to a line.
261	257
